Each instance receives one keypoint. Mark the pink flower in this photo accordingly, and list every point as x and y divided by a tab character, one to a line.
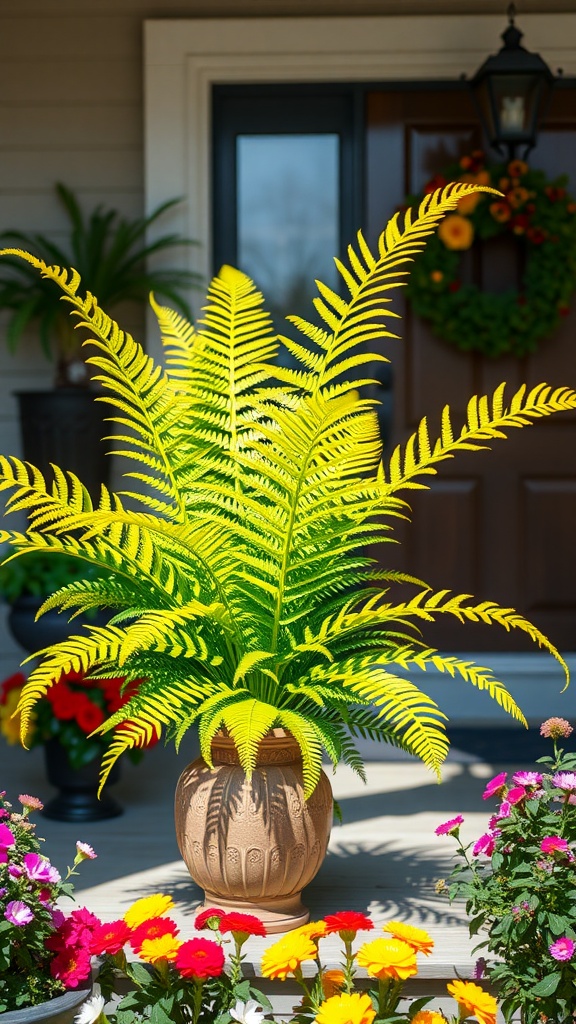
85	852
562	949
39	869
15	871
504	810
564	780
449	827
6	837
495	786
554	728
485	844
31	803
551	844
18	913
71	966
58	917
527	778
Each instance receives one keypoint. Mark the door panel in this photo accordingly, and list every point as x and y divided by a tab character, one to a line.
497	525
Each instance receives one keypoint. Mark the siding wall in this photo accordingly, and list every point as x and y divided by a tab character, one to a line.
71	109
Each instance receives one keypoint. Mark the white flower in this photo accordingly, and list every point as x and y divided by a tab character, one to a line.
247	1013
90	1011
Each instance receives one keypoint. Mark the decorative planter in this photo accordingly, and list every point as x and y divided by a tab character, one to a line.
60	1010
78	796
253	844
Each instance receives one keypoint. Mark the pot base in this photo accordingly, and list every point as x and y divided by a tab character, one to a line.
82	806
281	915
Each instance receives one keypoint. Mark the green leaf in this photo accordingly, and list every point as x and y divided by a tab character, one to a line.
548	985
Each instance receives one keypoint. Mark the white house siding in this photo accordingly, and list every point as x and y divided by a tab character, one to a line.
71	109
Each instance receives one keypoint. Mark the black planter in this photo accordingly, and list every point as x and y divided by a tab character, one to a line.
78	796
51	628
65	426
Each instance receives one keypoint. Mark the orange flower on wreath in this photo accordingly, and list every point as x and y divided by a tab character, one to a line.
469	203
517	197
456	232
516	168
500	211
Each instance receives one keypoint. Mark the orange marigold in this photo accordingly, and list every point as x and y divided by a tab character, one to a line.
474	1000
500	211
387	958
286	955
332	982
428	1017
516	168
517	197
420	941
346	1008
456	232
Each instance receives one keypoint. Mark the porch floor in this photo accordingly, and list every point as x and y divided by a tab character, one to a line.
384	859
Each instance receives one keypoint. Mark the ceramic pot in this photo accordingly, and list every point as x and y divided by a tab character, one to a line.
77	799
253	845
60	1010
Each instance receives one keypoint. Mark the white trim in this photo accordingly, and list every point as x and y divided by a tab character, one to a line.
184	58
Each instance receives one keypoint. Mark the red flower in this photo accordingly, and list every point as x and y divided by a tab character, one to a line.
200	958
241	924
536	235
76	930
14	682
438	181
554	193
205	916
109	938
454	286
154	928
63	701
71	966
564	310
89	716
347	923
519	223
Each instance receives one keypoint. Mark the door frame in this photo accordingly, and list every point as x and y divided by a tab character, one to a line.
183	58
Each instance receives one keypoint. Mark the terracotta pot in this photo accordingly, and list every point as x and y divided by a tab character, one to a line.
253	845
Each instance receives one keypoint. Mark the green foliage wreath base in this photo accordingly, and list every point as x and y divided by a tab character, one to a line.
512	322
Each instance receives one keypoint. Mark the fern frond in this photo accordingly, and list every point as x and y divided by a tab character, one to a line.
487	419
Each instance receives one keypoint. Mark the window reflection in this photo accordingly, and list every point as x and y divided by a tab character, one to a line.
288	217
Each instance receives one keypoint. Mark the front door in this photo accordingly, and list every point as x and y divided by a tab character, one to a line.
498	525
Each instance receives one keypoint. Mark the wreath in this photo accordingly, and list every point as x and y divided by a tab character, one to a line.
540	214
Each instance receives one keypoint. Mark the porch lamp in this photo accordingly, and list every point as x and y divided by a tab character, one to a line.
511	89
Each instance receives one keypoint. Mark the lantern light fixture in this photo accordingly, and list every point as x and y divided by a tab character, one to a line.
511	90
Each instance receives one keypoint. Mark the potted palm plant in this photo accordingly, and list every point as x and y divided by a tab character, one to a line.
244	598
110	252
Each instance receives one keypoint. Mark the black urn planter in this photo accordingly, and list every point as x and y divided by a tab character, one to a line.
77	799
65	426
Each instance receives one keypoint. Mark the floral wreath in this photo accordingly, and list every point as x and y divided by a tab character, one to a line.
541	215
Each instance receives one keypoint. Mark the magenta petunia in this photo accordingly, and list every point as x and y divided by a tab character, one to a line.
6	837
495	786
553	844
485	844
562	949
527	778
449	827
39	869
515	795
18	913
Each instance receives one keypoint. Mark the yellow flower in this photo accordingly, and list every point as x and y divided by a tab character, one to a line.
332	982
286	955
428	1017
456	232
314	929
147	907
415	937
387	958
516	168
9	726
474	1000
163	947
346	1009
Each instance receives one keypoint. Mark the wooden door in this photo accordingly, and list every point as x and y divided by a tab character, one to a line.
499	525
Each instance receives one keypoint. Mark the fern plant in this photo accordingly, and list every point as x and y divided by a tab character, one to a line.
240	589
